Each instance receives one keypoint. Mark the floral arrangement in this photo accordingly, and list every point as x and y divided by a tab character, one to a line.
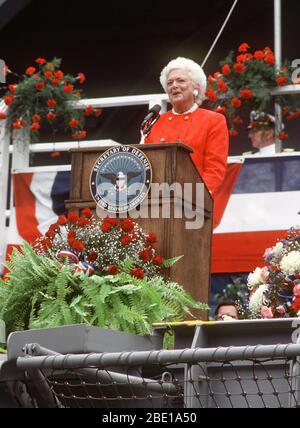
102	245
275	288
244	84
44	94
102	272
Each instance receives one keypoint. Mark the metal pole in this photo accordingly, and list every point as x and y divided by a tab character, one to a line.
278	55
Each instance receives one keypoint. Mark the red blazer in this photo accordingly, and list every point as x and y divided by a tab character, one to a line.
203	130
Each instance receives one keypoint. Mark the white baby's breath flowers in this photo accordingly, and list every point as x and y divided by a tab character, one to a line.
290	263
258	299
255	279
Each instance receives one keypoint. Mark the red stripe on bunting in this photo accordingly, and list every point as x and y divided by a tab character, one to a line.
242	252
221	197
25	207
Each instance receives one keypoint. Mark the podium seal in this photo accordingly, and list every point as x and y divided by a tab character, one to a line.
120	179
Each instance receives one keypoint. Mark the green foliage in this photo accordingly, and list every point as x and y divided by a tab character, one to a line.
40	293
237	290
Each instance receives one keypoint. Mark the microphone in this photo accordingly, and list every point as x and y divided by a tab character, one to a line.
152	114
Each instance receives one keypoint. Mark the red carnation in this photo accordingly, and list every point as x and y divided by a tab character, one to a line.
73	123
281	81
73	217
2	116
259	55
36	118
106	227
71	236
127	225
126	240
18	124
113	270
145	255
62	220
50	234
217	75
30	70
9	99
92	256
81	78
138	273
89	111
55	82
211	80
158	260
241	58
59	74
51	116
68	88
40	61
77	246
246	94
270	59
39	86
151	238
222	86
244	47
86	212
46	243
51	103
98	112
239	68
236	102
35	127
211	95
82	222
55	154
226	70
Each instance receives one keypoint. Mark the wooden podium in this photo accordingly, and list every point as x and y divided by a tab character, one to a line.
171	163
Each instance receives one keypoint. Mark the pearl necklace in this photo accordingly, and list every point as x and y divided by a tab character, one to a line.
191	110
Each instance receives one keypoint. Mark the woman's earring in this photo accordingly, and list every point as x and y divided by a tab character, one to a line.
196	93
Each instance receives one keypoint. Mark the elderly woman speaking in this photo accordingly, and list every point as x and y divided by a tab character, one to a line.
205	131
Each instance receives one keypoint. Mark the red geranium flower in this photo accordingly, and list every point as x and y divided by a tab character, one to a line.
40	61
113	270
12	88
106	227
73	217
73	123
241	58
226	70
281	81
68	88
35	127
59	74
89	111
211	80
9	99
222	86
239	68
81	78
158	260
83	221
18	124
79	135
48	74
270	59
55	154
236	102
71	236
151	238
36	118
244	47
39	86
138	273
246	94
51	103
98	112
51	116
259	55
30	70
211	95
62	220
55	82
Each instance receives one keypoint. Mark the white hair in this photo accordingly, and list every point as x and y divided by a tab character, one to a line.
195	72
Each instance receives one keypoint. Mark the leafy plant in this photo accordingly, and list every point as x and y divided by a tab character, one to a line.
39	292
